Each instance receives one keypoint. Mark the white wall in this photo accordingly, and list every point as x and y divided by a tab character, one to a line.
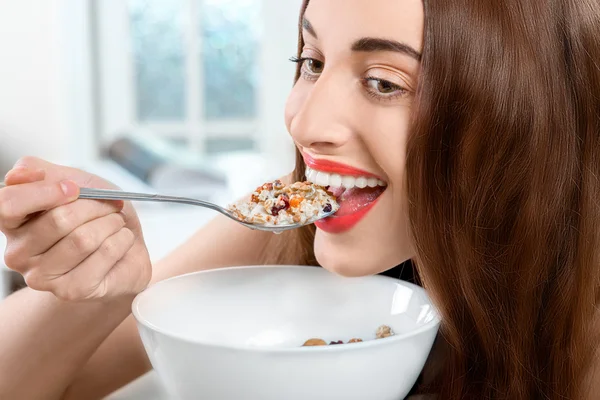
44	108
281	24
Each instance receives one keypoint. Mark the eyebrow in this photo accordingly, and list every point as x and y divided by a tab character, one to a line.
308	27
368	44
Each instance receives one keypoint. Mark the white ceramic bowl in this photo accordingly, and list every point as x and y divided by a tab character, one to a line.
236	334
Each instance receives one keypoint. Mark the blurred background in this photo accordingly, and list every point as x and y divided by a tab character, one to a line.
173	96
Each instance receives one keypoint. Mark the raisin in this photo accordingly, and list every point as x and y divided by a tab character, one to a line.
283	203
338	342
327	208
276	210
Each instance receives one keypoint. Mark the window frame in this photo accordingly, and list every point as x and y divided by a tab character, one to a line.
115	75
118	99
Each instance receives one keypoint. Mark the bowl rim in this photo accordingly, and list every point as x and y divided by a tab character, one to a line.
433	324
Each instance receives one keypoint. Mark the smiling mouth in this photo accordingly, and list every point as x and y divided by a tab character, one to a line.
356	195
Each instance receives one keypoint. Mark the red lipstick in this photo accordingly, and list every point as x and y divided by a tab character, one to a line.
333	167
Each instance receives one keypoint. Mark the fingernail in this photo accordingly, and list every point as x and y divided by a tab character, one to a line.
70	189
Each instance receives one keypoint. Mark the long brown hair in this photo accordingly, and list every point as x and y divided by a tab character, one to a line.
503	180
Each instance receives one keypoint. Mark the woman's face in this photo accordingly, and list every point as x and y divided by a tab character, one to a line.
349	116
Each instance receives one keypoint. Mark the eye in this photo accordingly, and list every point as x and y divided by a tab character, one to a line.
311	67
383	87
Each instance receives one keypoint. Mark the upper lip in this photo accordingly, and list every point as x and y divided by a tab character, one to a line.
333	167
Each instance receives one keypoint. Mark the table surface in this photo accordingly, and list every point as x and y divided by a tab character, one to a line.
147	387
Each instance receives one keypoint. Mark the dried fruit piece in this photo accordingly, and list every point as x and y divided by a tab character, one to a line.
282	203
338	342
296	200
355	341
315	342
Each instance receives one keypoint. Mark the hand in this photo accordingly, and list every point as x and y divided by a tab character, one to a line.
76	249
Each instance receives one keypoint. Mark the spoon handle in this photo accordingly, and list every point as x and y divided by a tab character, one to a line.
108	194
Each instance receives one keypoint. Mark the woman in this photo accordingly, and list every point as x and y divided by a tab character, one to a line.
482	120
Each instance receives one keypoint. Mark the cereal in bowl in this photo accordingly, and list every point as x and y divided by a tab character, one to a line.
382	332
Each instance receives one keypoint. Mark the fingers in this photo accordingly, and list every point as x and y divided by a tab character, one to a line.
88	279
21	174
18	202
70	251
41	233
32	163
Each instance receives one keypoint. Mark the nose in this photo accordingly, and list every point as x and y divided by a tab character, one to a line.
320	120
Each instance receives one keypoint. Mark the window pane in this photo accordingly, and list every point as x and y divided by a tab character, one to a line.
230	34
157	37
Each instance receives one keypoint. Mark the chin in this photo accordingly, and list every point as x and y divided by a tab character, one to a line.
354	261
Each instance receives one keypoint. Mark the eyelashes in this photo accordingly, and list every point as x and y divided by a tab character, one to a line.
310	68
376	88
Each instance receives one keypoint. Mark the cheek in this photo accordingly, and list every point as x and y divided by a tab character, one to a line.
388	140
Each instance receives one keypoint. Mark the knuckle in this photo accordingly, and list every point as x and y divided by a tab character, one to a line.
128	236
83	241
36	281
111	249
61	219
14	258
69	292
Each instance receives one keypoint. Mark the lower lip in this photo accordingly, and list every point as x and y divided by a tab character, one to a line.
335	224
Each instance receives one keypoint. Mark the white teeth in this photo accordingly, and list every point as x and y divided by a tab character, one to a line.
322	179
348	182
335	180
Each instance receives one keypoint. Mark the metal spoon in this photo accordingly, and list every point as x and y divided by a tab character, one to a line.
107	194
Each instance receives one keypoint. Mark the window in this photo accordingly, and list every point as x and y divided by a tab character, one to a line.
195	71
